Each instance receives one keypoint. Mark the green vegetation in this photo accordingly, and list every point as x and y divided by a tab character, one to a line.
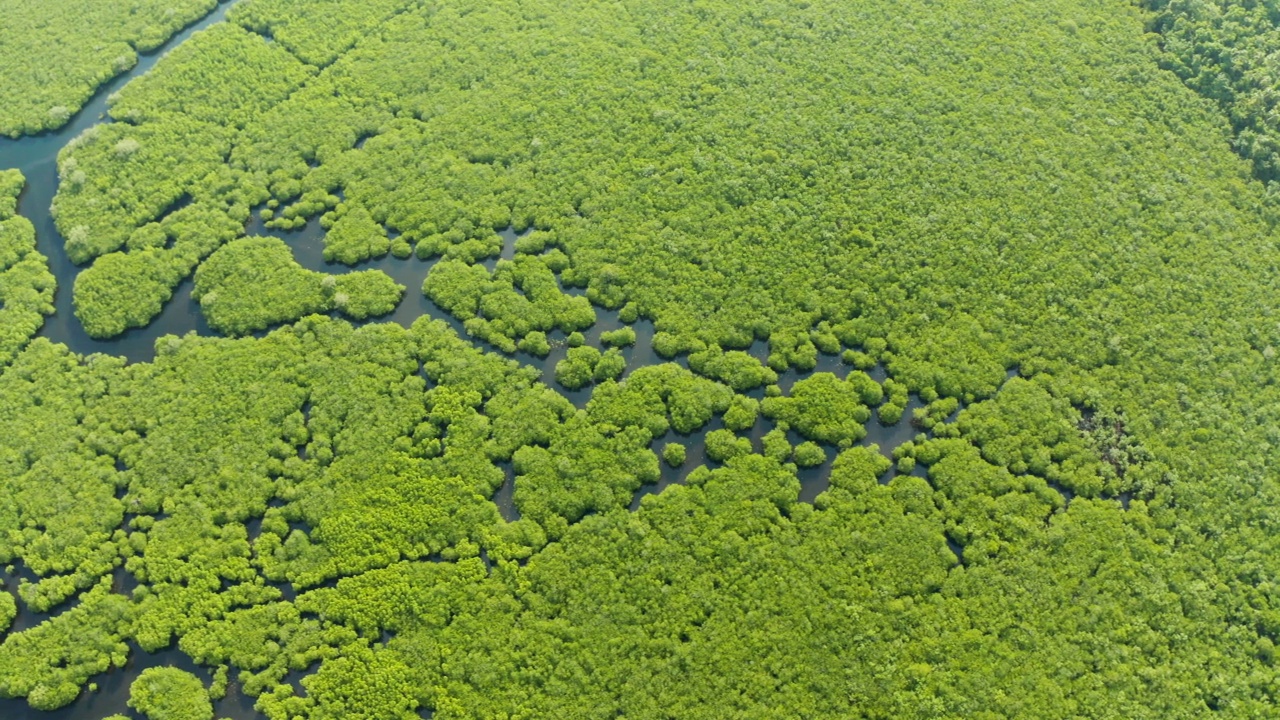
535	343
610	366
735	368
163	166
11	184
263	76
1224	51
774	444
578	368
163	693
809	454
26	285
622	337
55	55
123	290
659	398
825	408
1087	454
723	445
8	610
944	190
896	404
584	365
49	663
742	413
674	454
520	298
320	30
254	283
353	236
860	360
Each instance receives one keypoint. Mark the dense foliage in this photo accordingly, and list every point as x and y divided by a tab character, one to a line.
514	305
1006	207
55	55
26	285
824	407
1226	51
254	283
170	694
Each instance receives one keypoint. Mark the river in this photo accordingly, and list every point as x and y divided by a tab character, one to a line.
37	157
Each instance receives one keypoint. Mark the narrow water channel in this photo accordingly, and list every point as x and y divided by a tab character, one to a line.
37	156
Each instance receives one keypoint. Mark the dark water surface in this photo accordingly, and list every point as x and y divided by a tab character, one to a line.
36	157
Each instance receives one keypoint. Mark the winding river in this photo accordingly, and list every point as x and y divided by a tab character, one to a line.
37	156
